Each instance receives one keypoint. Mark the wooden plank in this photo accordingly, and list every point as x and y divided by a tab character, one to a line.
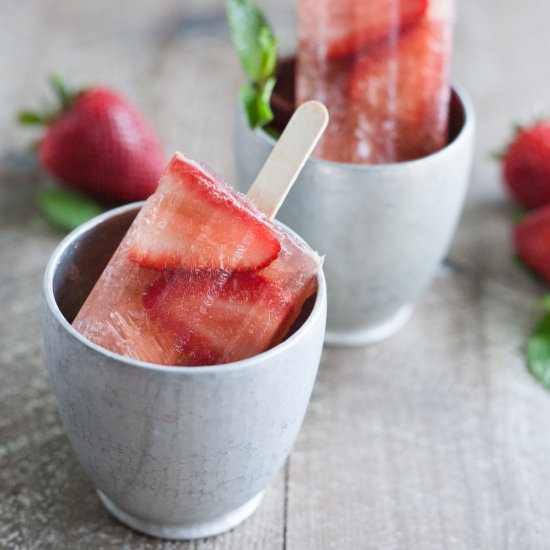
435	439
151	52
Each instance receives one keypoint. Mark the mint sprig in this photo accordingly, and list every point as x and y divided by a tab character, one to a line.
66	209
256	46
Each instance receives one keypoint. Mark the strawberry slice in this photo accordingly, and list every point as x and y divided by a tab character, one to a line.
196	222
416	98
351	27
219	317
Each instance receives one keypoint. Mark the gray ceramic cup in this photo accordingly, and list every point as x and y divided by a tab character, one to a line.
383	228
175	452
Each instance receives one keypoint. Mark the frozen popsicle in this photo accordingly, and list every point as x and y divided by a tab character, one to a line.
382	68
201	278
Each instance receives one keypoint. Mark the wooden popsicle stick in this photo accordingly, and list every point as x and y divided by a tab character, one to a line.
289	155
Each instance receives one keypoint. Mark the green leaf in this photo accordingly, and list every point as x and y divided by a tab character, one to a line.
519	214
66	209
30	117
268	46
545	303
526	269
65	95
498	154
253	39
538	352
256	104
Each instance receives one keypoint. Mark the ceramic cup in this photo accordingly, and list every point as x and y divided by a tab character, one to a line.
174	452
383	228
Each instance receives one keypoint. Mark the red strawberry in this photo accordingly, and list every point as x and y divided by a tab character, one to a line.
356	26
532	241
99	144
218	317
196	222
526	165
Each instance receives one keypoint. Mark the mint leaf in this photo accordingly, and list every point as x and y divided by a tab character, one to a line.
66	209
268	46
253	38
256	46
255	101
538	352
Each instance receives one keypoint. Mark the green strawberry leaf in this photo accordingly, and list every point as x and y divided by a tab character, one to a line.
538	351
256	46
47	113
522	266
498	154
66	209
545	303
63	93
519	214
30	118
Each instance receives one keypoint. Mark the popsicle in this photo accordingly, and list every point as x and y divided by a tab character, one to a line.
382	68
202	277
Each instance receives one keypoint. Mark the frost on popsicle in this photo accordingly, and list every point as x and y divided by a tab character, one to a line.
201	277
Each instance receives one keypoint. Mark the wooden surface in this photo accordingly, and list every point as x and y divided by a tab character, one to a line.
436	439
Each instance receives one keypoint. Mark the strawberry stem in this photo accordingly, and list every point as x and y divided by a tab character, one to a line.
47	114
65	95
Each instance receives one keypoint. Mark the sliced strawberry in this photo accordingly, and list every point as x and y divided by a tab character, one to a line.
113	316
349	27
404	92
219	317
196	222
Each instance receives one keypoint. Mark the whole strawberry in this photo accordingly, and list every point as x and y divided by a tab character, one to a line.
526	165
99	144
532	241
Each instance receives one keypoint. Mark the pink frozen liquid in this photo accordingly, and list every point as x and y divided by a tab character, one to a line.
382	68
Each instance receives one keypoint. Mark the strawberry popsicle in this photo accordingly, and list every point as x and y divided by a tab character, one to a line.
201	277
382	68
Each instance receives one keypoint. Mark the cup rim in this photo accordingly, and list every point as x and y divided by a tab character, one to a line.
250	362
467	127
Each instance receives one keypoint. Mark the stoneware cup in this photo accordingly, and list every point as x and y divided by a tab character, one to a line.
383	228
174	452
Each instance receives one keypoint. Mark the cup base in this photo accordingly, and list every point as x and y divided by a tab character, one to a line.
188	531
370	335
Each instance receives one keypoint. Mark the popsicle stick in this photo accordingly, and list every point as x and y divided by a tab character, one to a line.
289	155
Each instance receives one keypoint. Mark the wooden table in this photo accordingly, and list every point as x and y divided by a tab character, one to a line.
436	439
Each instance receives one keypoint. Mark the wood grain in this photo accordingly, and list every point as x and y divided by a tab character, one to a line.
437	438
